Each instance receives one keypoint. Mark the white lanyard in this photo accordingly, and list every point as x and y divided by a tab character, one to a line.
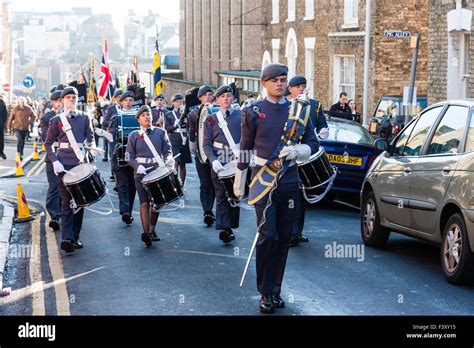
152	149
228	136
70	136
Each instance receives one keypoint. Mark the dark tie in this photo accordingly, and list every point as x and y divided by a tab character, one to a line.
227	113
72	115
148	131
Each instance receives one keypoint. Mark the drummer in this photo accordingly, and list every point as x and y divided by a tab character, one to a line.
218	149
65	159
141	158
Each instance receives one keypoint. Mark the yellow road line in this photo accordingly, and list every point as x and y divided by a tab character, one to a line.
56	267
38	305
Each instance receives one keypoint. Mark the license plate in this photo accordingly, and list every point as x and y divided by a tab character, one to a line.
347	160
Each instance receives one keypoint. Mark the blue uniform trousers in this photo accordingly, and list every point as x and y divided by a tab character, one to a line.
206	188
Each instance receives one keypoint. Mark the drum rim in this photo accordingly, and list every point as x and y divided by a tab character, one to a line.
93	202
159	178
333	176
84	178
173	200
317	154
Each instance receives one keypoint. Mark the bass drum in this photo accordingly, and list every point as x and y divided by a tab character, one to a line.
227	177
163	186
84	184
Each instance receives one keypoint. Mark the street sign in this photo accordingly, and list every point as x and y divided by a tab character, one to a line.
6	87
28	81
397	34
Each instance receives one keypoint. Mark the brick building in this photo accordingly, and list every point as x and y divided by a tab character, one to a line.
220	42
451	54
324	40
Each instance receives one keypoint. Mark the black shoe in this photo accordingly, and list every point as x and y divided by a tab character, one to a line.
112	178
266	305
154	237
226	236
115	189
209	219
294	241
232	236
302	239
67	245
146	238
278	301
2	155
78	244
105	159
127	218
54	224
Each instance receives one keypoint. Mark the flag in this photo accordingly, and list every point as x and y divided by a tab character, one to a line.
134	77
105	78
92	91
158	83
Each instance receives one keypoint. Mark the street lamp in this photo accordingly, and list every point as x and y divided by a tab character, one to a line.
12	65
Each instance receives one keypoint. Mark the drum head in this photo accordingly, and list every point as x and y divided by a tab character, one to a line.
317	154
79	173
157	174
229	170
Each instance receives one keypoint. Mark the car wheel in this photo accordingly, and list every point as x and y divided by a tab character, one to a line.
457	259
373	234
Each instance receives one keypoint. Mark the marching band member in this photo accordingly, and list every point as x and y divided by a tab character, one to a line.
176	125
159	111
206	189
274	188
53	203
221	138
66	158
297	86
110	113
141	158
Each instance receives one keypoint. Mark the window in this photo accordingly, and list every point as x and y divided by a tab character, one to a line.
309	44
291	52
276	50
450	131
309	10
344	76
291	10
351	12
420	132
275	11
470	137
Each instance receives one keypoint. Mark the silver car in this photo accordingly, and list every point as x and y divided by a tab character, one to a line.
422	186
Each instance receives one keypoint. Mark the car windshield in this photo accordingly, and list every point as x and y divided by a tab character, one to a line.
349	133
392	107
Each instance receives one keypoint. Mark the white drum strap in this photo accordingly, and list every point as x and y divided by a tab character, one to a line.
70	136
183	138
153	150
228	136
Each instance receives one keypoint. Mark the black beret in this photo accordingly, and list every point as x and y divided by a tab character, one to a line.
297	80
59	87
55	95
53	89
69	90
118	93
203	90
273	70
223	89
127	94
159	96
144	108
177	96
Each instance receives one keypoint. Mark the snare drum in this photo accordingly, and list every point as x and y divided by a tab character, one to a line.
163	186
84	184
317	172
227	178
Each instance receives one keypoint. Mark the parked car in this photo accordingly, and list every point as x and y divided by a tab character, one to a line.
350	148
423	186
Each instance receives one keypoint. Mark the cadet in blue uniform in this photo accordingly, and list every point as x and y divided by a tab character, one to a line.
141	158
176	126
159	111
218	150
206	188
262	129
66	159
124	176
53	201
297	86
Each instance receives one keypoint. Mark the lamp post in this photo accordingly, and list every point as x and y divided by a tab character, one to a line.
12	65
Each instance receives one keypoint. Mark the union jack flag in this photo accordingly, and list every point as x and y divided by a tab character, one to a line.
105	77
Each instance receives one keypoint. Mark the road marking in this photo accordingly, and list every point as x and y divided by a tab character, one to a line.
56	267
207	254
38	305
33	170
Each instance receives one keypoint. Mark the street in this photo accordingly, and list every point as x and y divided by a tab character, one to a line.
191	272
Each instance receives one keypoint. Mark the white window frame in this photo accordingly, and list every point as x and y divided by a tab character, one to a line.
309	10
291	57
309	45
275	11
291	11
276	50
337	78
351	14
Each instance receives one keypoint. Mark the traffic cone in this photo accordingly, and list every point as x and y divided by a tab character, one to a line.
23	209
19	168
43	148
36	155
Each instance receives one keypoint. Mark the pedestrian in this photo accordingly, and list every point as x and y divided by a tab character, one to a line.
159	111
353	107
21	118
340	107
266	126
3	126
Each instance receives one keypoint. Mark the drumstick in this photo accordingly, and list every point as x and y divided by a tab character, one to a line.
69	172
175	157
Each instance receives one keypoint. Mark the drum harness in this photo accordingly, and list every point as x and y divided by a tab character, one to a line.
80	156
179	130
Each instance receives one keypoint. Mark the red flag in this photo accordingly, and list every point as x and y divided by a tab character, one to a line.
105	78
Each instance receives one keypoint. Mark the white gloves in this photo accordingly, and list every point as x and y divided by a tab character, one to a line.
288	152
239	183
103	133
300	152
323	134
95	151
58	167
217	166
141	170
169	163
176	123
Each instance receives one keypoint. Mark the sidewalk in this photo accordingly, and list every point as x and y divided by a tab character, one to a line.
7	215
7	167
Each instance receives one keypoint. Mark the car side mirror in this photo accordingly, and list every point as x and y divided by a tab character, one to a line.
381	144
